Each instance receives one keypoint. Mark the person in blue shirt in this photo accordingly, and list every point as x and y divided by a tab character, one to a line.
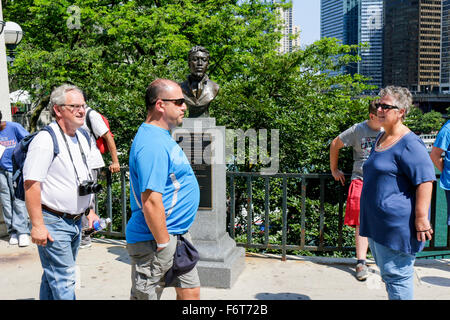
396	195
441	145
164	197
14	210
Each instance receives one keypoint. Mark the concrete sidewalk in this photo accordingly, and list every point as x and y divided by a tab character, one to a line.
104	274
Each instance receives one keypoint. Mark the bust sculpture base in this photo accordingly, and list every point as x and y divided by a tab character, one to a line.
221	261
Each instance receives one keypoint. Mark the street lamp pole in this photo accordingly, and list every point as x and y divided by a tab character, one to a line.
5	105
13	35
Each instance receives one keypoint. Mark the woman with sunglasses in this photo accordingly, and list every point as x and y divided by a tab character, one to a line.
396	195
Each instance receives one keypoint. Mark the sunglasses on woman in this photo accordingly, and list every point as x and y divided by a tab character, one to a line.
386	106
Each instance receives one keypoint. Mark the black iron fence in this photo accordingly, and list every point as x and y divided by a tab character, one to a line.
326	190
283	211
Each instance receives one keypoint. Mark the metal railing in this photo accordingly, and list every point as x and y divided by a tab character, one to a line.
301	245
337	192
108	203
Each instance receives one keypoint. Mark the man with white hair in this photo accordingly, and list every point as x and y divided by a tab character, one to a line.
57	192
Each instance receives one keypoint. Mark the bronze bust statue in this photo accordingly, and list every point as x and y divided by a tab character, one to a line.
198	89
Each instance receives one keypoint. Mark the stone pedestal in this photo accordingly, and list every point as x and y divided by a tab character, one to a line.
221	261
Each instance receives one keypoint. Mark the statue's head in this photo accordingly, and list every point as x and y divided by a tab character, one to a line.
198	61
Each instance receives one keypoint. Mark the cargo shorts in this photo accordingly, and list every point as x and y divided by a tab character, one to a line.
148	269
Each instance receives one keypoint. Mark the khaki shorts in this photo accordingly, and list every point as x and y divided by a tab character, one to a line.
149	267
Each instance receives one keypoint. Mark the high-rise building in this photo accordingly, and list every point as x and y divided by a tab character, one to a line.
412	43
445	46
332	19
352	28
371	21
332	24
286	43
353	22
296	41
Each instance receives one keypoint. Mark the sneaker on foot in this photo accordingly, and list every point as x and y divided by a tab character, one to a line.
24	240
361	272
85	242
13	240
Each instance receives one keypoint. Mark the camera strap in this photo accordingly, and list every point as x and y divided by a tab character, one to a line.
83	156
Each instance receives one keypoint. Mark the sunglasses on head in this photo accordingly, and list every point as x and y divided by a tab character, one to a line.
386	106
177	102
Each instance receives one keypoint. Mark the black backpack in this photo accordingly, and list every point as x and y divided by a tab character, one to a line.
20	153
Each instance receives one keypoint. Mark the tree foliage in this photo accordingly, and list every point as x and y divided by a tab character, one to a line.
114	49
424	123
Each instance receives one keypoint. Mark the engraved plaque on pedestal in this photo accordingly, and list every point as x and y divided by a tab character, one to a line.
196	146
221	261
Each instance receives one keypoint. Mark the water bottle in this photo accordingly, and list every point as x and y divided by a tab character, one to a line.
98	225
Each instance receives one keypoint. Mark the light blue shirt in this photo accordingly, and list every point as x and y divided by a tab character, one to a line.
157	163
443	142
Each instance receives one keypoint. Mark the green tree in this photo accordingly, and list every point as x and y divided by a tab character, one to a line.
288	93
424	123
114	49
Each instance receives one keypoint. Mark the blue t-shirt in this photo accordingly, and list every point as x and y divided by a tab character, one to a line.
443	142
9	137
387	213
158	163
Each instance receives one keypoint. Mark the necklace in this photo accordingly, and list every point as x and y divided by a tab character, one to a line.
379	148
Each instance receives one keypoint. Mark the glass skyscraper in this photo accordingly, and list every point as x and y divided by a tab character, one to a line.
371	22
353	22
331	23
332	19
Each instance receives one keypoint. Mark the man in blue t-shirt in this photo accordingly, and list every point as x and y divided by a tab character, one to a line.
442	144
164	197
14	211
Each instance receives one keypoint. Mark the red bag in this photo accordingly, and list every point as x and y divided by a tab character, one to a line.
101	143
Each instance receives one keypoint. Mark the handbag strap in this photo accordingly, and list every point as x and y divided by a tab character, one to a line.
134	194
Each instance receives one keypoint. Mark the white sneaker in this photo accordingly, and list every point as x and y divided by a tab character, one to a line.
13	240
24	240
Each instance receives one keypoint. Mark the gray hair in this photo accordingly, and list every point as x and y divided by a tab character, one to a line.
402	97
58	96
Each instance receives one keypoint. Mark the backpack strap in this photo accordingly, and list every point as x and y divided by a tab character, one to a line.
55	141
86	135
88	123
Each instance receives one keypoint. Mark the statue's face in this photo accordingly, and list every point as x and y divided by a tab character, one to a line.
198	63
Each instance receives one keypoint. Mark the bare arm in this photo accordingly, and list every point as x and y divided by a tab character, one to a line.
155	215
115	166
423	200
39	232
335	146
435	156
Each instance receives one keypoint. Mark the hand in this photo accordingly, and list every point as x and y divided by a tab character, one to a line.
40	235
114	167
158	249
423	229
338	175
92	217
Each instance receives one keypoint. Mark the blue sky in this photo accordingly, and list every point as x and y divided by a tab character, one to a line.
307	16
